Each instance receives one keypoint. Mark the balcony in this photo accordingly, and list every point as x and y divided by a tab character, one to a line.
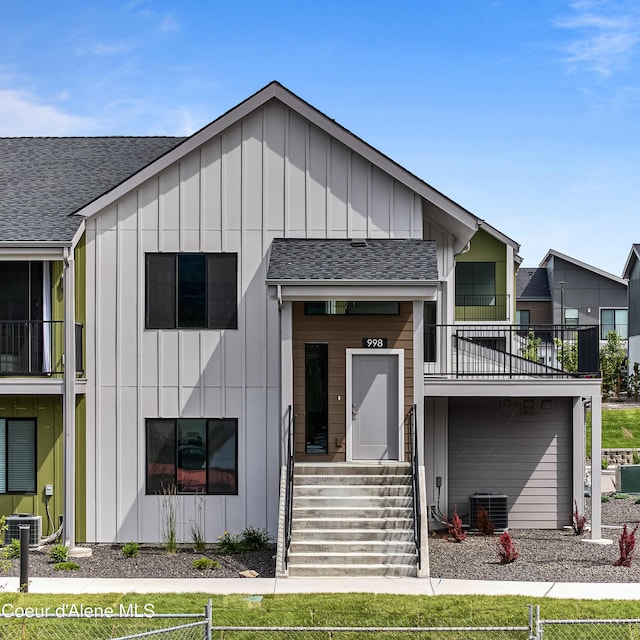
511	352
36	348
478	308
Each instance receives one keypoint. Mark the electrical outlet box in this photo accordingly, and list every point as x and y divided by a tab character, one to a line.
48	489
438	481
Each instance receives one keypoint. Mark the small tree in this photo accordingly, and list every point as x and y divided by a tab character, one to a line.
567	354
633	386
455	527
530	350
612	359
627	543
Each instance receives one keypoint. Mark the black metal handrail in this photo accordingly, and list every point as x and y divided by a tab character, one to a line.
288	515
417	514
513	351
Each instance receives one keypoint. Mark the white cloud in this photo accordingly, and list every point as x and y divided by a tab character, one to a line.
103	49
607	35
22	115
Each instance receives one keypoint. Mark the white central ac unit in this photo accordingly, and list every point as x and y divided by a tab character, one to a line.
13	528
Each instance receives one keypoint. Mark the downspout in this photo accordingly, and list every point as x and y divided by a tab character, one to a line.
69	399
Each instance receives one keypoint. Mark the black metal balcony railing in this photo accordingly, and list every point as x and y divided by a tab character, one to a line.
499	351
36	348
472	308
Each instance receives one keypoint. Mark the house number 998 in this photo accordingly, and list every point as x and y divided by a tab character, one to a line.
374	343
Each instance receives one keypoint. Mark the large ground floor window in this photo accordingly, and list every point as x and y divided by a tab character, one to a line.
17	455
194	455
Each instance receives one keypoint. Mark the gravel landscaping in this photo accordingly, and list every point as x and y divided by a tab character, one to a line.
107	561
545	555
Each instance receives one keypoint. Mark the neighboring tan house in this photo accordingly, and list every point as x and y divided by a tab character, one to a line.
534	304
292	330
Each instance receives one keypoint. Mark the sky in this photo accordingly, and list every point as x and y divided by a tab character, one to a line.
525	112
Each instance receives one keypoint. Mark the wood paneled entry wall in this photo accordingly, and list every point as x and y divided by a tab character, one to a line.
339	333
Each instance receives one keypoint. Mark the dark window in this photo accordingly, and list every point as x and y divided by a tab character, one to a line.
350	308
475	284
523	317
193	455
316	398
614	320
191	291
17	456
430	331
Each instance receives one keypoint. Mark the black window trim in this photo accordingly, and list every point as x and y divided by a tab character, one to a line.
209	303
175	431
33	421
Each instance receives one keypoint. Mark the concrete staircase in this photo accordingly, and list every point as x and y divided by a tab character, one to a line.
352	520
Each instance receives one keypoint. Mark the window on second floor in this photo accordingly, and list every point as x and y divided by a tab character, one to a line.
614	320
475	284
523	317
571	316
191	291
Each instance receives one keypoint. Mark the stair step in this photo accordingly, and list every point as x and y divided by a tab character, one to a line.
344	479
361	558
326	546
352	502
352	513
350	523
353	570
352	535
333	469
352	491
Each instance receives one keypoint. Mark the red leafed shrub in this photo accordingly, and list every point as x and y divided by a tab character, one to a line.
627	543
578	521
455	527
483	522
507	551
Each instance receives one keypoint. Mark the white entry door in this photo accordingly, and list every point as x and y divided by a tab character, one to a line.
376	405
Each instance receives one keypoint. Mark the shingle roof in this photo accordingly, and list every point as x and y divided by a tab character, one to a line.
44	180
532	282
352	260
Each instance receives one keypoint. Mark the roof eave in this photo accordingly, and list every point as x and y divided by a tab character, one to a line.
583	265
626	272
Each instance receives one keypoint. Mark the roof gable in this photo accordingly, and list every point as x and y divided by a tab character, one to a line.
605	274
449	214
634	256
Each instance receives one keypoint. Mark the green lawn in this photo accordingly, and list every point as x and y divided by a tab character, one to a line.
334	609
620	429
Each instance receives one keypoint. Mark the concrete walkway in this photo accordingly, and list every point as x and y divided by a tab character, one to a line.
262	586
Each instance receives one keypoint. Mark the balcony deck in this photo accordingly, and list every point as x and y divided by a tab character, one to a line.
483	351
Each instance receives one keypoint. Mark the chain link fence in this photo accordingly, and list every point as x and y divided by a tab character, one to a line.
604	629
96	624
103	623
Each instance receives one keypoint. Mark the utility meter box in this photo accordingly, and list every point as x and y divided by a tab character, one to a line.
628	478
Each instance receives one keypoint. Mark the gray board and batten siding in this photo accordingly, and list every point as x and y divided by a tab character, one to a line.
495	447
271	174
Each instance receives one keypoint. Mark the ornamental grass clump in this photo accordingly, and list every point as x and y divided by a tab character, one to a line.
455	527
627	543
578	520
507	552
